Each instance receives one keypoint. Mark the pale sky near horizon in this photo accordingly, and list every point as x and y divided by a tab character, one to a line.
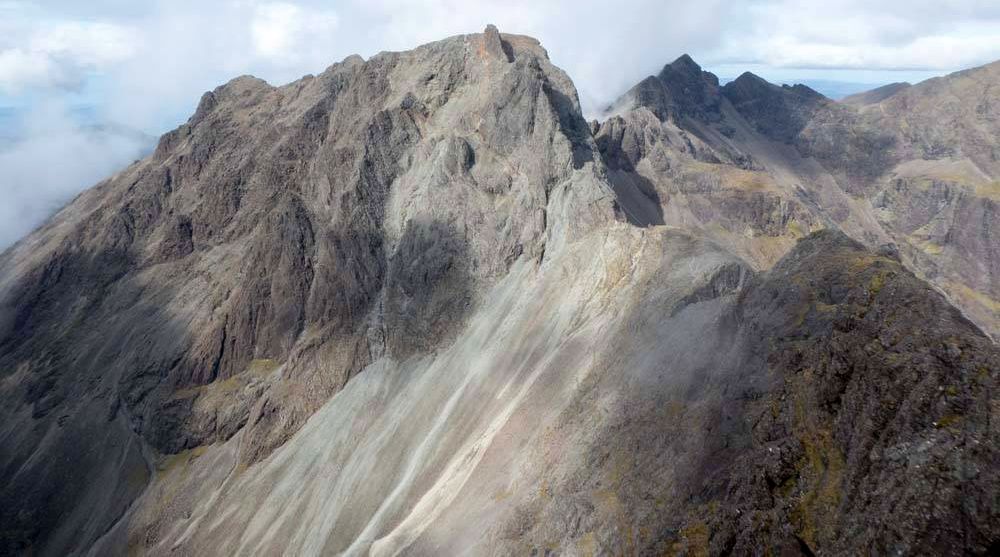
144	64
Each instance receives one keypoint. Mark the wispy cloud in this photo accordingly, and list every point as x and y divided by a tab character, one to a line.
282	31
158	56
55	157
59	54
887	35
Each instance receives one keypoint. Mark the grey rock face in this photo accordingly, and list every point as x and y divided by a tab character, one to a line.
417	305
318	226
876	95
680	89
868	168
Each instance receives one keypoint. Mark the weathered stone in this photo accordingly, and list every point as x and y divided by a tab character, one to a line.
417	304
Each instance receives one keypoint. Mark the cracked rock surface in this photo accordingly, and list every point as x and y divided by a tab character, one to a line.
417	305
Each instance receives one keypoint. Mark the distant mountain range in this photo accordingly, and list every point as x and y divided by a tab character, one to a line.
832	89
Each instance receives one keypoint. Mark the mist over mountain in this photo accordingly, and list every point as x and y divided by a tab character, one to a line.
49	154
418	304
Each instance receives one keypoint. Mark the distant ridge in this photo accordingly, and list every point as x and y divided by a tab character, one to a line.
875	95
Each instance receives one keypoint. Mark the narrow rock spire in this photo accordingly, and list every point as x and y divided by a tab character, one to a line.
494	44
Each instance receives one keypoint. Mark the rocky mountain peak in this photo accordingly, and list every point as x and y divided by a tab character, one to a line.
779	112
750	87
685	64
495	45
358	214
680	90
415	305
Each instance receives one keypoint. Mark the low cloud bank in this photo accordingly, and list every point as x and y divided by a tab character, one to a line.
54	154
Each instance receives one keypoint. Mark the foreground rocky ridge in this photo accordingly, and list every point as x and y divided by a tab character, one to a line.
415	305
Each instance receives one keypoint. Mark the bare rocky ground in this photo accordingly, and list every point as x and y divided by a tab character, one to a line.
756	166
417	305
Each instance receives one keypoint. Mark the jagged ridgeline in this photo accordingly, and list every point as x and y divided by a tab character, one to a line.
418	305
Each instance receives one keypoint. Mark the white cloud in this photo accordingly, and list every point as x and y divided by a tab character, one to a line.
24	69
888	35
59	54
162	55
52	162
941	52
282	31
90	43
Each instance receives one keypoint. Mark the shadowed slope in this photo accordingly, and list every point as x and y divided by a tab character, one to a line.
272	247
402	307
757	166
662	399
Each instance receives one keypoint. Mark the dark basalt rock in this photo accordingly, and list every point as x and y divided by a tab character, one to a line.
855	419
779	113
875	438
681	89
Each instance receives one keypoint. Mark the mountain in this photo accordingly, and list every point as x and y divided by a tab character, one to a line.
842	91
876	95
761	165
416	304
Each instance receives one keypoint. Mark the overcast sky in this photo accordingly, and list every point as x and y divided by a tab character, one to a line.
145	63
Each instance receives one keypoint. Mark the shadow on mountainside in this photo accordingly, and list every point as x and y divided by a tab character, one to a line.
75	332
833	405
100	367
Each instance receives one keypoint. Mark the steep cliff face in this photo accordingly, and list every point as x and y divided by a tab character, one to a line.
417	305
706	167
878	431
271	248
757	165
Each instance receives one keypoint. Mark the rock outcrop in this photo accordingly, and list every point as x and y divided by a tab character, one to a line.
272	247
760	165
417	305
